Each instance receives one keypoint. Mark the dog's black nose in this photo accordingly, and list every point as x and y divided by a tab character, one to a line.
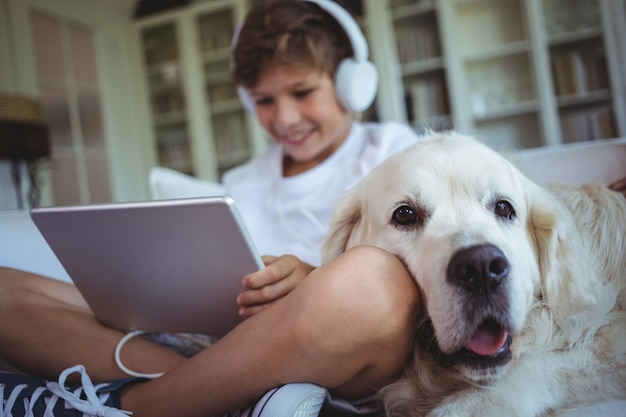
478	268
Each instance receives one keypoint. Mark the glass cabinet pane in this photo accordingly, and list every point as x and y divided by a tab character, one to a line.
500	82
166	91
488	24
230	136
580	71
159	44
167	99
567	16
71	102
420	55
232	144
216	31
174	148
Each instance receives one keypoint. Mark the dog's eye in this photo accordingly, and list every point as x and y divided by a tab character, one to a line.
504	209
404	216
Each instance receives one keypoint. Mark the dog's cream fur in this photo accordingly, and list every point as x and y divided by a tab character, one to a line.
560	301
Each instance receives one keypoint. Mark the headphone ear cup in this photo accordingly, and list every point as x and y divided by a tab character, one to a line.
246	100
356	83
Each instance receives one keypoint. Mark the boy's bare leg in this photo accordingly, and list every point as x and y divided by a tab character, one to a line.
347	326
46	327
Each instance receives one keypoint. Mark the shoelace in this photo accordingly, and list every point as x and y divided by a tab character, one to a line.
92	406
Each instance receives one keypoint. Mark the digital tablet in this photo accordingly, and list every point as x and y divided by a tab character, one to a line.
163	265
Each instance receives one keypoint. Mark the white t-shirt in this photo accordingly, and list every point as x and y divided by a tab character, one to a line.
291	215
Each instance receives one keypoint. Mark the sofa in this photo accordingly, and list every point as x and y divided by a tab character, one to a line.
22	247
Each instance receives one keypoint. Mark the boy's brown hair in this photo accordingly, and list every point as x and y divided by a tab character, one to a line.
291	32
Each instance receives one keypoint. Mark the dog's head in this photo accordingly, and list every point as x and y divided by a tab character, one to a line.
476	235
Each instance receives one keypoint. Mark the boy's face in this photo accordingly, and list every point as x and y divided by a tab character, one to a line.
298	108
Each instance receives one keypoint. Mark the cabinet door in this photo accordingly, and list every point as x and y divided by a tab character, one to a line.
227	119
496	69
580	69
421	61
72	106
164	73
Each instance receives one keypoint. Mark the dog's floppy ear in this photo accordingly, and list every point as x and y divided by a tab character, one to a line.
569	278
346	216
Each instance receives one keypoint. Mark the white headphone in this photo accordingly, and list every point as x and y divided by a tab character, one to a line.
356	78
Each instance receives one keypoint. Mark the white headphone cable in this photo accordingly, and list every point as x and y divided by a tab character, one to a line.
118	359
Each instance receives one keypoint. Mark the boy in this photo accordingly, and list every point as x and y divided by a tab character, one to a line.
345	326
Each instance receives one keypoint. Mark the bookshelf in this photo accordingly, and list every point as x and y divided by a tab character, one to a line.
226	117
198	123
580	70
163	75
517	73
421	62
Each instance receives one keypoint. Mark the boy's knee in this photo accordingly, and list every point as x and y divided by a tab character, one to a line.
363	296
374	280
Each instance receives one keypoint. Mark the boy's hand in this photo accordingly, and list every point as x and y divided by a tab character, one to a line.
263	288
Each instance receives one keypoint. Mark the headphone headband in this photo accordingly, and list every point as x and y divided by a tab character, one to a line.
349	25
356	79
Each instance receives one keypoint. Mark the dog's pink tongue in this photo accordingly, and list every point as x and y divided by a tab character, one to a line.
487	340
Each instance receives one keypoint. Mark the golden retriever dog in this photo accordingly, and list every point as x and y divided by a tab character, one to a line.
523	286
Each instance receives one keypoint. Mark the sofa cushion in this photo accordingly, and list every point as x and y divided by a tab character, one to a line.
23	247
167	183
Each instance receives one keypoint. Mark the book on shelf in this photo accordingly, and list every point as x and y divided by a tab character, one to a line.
417	43
587	124
216	31
221	92
579	72
168	101
160	44
230	136
174	150
428	98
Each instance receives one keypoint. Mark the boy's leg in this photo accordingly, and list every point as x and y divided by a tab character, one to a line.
348	326
46	327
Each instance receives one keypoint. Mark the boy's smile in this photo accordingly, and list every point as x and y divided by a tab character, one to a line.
298	108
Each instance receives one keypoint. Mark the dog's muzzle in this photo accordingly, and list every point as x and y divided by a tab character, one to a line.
479	273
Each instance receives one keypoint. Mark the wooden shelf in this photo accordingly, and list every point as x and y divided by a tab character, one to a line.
573	37
509	110
413	10
162	119
499	51
593	97
421	67
222	54
226	106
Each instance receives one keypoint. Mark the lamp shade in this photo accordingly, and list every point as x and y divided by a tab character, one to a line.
23	132
19	108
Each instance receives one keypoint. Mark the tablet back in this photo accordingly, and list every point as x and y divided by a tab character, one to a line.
166	265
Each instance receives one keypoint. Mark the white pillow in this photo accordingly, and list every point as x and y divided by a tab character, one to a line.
167	183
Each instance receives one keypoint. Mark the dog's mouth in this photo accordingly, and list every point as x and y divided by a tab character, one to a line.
487	348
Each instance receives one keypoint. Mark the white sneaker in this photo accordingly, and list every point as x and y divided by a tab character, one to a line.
291	400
